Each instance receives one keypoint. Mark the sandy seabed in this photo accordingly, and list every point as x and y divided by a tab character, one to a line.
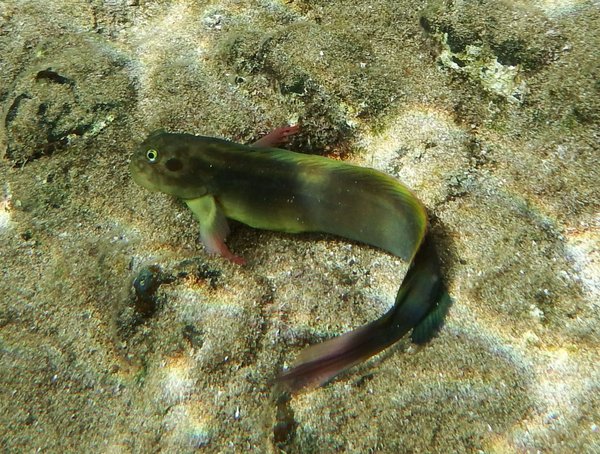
488	110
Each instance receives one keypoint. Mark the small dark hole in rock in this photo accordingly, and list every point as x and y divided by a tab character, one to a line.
53	76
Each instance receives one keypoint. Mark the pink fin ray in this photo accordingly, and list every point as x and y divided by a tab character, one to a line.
319	363
276	137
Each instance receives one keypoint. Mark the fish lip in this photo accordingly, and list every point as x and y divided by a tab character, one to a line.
136	169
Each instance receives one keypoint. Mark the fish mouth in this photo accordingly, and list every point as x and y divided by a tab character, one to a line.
139	174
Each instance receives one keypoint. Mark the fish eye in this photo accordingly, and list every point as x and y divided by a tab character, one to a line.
152	155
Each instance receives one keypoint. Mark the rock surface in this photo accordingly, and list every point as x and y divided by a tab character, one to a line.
488	110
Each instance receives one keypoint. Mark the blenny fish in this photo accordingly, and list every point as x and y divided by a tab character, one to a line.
276	189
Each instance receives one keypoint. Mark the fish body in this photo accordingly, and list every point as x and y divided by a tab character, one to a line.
276	189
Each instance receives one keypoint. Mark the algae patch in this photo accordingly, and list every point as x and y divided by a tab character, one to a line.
477	64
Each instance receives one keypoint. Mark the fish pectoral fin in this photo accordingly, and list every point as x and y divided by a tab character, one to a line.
276	137
213	227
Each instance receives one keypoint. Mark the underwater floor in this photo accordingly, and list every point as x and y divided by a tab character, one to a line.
488	111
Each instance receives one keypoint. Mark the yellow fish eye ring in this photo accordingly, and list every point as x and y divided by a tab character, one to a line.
152	155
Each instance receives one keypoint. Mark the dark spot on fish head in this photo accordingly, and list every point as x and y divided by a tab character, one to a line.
174	164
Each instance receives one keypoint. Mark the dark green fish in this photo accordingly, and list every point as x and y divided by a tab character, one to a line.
275	189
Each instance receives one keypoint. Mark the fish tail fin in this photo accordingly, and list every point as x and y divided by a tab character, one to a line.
319	363
422	303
